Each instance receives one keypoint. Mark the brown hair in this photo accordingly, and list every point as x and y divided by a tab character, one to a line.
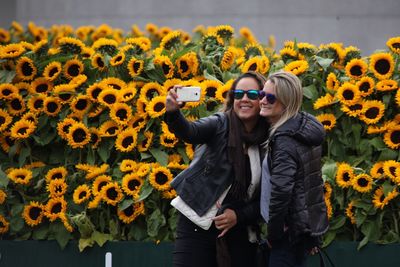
259	78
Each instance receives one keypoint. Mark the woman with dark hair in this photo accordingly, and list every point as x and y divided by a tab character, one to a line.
227	158
292	197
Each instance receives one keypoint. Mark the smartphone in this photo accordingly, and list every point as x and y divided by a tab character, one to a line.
188	94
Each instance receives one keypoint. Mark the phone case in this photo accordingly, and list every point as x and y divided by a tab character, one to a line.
188	94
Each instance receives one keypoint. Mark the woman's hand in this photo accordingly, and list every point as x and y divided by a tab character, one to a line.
171	104
225	221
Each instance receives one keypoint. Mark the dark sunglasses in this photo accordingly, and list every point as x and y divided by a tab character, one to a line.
251	94
270	97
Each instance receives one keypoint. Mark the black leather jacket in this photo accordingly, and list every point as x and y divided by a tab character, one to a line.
210	172
297	196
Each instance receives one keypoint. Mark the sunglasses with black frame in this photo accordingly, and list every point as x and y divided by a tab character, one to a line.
254	95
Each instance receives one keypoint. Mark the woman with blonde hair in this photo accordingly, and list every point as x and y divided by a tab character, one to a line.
292	196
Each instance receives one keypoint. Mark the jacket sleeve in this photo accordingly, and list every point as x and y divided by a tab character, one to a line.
248	214
283	173
198	132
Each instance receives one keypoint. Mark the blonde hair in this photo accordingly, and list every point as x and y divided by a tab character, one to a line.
289	93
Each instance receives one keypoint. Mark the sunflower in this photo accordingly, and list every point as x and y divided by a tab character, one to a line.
51	106
121	113
137	122
392	137
169	194
11	51
78	80
95	171
129	214
151	90
372	112
171	40
70	45
65	92
145	144
3	197
114	83
22	129
348	94
223	91
210	88
111	193
5	120
52	71
4	225
99	183
109	128
139	44
106	46
344	175
33	213
23	88
108	97
228	58
128	165
397	98
350	53
324	101
41	86
78	135
350	212
253	50
297	67
332	82
80	104
329	209
156	107
129	92
389	169
366	86
160	177
118	59
376	129
81	194
394	44
328	120
387	85
288	53
98	62
73	68
56	173
382	65
126	140
87	52
377	170
55	208
5	36
225	32
187	64
63	127
94	90
211	41
16	105
7	90
356	68
20	175
380	200
253	64
25	69
6	142
166	65
57	188
168	140
135	67
131	184
362	183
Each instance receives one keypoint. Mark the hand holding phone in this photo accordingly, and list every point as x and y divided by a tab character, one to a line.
188	94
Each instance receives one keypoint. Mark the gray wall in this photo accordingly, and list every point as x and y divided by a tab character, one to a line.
366	24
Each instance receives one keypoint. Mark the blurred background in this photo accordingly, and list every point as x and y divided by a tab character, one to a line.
366	24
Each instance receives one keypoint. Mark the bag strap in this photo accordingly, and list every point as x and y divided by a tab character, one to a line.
321	254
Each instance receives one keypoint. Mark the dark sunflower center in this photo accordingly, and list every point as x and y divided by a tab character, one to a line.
2	120
115	86
151	93
82	194
74	70
52	107
348	95
53	72
211	91
395	137
22	177
380	170
169	141
356	70
133	184
161	178
34	213
166	68
118	59
6	92
127	141
27	69
57	175
38	104
137	122
81	104
129	211
372	113
79	135
158	107
382	66
42	88
110	99
22	130
96	92
184	66
211	105
382	198
16	104
365	86
396	45
253	67
58	189
355	107
65	128
100	62
122	114
56	208
112	193
362	182
327	123
65	96
101	185
94	138
136	67
392	170
346	177
112	130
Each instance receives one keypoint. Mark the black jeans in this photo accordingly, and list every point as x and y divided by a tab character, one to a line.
284	254
195	247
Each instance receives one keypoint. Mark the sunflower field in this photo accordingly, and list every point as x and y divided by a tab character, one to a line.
85	154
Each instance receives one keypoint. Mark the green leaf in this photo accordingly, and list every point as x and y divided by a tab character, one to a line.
23	154
378	143
324	62
154	222
160	156
101	238
3	178
125	204
328	238
310	92
145	191
329	169
84	243
337	223
113	227
63	236
40	233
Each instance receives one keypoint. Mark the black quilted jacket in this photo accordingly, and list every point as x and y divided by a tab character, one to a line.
297	196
